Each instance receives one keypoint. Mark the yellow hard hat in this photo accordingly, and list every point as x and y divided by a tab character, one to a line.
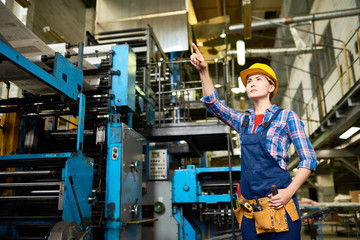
259	68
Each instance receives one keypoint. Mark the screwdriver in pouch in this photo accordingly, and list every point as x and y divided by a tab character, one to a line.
257	206
274	190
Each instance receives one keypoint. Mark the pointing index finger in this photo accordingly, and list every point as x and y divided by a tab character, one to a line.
195	48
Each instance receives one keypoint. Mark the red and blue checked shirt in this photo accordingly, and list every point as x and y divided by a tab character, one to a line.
287	128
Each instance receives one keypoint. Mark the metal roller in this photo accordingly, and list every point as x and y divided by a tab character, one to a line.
27	173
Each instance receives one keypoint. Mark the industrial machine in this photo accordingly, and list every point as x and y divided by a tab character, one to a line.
76	160
42	188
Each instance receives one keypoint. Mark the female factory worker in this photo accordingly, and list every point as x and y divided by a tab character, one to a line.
265	133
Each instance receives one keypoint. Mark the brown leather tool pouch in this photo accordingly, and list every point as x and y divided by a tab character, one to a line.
264	221
239	213
269	219
292	211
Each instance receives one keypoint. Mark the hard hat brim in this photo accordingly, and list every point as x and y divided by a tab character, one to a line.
247	72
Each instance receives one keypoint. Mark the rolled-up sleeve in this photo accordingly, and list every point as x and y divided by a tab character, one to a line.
221	111
301	142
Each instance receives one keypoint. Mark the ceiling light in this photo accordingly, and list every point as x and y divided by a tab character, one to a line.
241	85
235	90
217	85
223	34
351	131
240	51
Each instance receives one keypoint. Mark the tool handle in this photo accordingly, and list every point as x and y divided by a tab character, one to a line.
238	190
274	190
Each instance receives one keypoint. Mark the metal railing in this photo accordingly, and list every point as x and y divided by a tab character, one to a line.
335	87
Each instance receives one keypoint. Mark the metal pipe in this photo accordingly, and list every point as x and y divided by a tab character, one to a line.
289	20
358	43
45	191
346	66
159	110
216	73
187	61
26	173
181	90
259	52
31	184
231	186
37	198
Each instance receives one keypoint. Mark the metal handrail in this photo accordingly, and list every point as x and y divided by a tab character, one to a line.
327	94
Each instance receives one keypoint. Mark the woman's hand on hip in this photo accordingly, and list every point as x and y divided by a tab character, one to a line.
281	199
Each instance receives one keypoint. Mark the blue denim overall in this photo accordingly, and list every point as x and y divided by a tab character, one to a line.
259	171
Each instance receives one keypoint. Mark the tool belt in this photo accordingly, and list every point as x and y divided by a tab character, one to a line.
268	219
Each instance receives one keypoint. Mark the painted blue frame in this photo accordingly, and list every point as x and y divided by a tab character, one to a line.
66	78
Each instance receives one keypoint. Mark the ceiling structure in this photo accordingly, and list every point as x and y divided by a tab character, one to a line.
211	22
345	114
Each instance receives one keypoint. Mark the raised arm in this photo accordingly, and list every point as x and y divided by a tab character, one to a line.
198	61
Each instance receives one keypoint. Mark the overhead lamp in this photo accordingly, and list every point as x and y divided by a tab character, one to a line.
240	89
223	34
240	51
351	131
241	85
235	90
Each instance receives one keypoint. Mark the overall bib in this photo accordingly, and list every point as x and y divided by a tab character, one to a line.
259	171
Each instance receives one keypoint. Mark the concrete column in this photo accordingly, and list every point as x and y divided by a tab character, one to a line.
325	182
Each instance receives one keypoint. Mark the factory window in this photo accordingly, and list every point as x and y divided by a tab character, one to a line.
20	12
327	55
325	58
297	103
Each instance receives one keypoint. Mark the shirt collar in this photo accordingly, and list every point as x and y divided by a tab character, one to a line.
271	109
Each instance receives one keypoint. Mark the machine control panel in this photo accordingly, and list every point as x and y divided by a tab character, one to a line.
158	164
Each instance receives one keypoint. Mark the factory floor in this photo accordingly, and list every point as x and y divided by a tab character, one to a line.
330	233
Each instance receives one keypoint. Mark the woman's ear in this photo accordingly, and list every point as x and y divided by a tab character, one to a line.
272	88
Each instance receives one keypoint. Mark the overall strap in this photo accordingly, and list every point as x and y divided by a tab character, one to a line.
267	124
245	123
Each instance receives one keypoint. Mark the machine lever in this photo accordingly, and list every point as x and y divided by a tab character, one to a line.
77	201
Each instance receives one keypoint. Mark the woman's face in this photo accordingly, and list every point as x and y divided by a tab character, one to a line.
258	86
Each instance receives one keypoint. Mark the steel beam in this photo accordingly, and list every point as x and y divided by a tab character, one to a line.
350	167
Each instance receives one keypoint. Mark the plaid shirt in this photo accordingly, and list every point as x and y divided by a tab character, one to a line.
287	128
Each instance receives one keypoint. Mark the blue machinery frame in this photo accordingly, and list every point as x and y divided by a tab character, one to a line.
66	79
187	189
123	165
